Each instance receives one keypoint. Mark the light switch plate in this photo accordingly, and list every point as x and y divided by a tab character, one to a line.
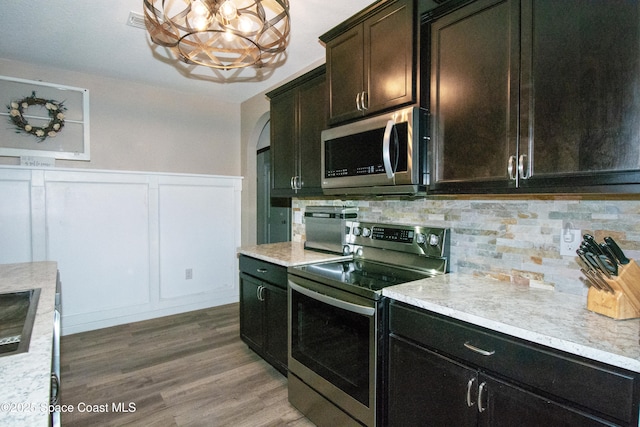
569	242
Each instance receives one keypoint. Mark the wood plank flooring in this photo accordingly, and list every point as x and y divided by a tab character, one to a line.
189	369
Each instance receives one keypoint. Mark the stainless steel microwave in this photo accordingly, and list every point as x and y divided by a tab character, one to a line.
385	154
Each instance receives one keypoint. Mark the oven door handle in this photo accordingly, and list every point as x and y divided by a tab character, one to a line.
354	308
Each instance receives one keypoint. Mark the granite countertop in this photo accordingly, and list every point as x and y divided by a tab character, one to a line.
288	254
545	317
25	377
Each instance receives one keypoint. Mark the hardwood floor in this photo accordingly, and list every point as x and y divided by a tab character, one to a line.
189	369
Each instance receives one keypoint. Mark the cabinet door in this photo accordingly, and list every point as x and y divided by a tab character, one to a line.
581	92
506	405
345	74
283	143
251	311
312	114
276	310
426	389
389	42
474	96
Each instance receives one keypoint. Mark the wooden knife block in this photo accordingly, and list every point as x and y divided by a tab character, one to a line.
624	303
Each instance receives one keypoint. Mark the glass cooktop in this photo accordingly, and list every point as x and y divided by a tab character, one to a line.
364	274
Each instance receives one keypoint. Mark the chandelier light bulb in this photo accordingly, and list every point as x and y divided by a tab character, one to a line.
244	24
228	35
200	22
228	10
198	8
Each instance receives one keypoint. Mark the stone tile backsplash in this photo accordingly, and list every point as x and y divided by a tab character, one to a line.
511	239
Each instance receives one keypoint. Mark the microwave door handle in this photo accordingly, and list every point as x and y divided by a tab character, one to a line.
386	149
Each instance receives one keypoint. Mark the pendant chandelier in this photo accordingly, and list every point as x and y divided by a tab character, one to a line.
222	34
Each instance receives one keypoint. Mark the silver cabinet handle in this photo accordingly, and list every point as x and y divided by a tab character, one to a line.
358	102
469	387
55	390
364	101
511	168
262	270
478	350
260	293
521	171
295	183
480	393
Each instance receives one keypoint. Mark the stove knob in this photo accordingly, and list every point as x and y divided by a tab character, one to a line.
421	238
434	240
366	232
346	250
359	252
357	231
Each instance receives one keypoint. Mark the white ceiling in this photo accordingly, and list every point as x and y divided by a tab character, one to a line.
93	37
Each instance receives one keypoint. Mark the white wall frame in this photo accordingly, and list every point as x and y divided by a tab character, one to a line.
71	143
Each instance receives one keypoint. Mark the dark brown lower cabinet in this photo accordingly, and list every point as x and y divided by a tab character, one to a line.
429	389
432	383
263	310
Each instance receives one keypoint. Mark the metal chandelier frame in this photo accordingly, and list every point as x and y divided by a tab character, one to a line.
222	34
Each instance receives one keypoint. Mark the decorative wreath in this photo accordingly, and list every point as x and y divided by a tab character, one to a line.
56	116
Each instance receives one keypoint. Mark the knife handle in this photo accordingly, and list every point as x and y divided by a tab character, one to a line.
622	259
608	264
590	242
597	263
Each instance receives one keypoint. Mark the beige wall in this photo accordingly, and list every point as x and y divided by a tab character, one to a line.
145	128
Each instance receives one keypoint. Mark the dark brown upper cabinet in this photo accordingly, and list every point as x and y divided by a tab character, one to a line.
536	96
371	60
298	116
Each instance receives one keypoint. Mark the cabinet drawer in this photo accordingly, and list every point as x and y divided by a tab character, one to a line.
263	270
592	385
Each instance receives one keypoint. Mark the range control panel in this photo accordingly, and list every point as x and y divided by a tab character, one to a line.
392	234
428	241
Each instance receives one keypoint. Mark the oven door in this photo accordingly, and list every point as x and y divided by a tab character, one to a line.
333	346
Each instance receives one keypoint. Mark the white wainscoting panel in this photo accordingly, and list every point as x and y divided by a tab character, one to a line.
15	217
124	240
189	242
98	232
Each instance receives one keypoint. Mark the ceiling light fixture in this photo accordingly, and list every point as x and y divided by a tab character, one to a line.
223	34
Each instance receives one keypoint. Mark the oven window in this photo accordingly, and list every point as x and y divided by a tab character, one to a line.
333	342
361	154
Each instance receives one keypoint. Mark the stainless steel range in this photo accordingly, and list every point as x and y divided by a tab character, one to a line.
337	321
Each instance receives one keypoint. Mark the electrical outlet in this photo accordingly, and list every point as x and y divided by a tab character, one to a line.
569	241
188	273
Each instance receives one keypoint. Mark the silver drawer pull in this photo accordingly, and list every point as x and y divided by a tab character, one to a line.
262	270
478	350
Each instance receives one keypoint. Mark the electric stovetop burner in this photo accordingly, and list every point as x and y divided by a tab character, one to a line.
383	255
364	274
